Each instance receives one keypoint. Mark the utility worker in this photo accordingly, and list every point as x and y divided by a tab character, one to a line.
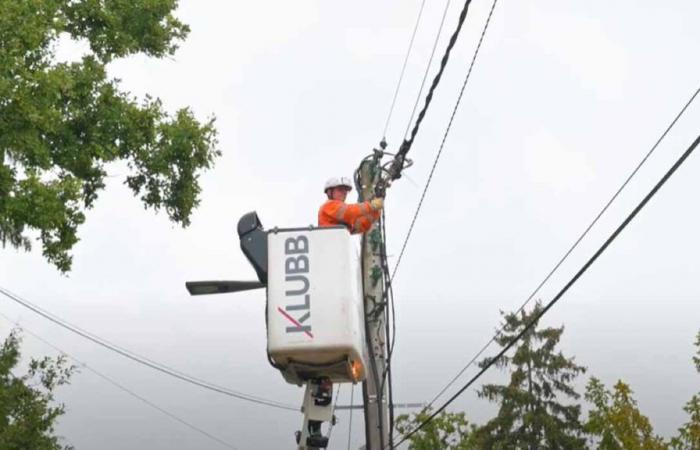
357	217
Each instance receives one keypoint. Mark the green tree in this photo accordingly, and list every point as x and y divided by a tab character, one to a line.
616	420
28	412
448	431
62	123
689	434
531	414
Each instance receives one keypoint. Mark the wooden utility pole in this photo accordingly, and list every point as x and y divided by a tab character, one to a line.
375	402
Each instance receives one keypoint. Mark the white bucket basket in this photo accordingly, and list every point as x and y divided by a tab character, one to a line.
315	313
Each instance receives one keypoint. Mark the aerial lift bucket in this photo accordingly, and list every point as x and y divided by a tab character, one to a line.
314	310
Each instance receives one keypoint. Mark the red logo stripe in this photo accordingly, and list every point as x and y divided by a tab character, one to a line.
294	321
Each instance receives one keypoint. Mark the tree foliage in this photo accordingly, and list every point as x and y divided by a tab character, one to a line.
616	421
28	412
448	431
689	434
531	412
530	415
62	123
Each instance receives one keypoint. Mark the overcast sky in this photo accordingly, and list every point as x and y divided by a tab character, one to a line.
565	99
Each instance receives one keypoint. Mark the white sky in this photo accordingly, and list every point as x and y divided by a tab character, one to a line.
565	99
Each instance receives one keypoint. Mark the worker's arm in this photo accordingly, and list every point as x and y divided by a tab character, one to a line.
376	205
357	216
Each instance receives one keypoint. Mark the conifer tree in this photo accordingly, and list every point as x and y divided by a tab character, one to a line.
534	409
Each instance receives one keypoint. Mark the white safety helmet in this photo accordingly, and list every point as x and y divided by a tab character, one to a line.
335	182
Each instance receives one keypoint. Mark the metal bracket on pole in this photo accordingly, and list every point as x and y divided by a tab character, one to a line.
317	408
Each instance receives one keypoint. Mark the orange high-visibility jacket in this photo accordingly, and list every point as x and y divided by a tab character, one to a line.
357	217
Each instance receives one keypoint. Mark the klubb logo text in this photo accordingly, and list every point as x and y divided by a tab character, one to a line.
297	284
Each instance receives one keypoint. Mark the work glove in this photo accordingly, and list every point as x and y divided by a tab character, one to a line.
377	203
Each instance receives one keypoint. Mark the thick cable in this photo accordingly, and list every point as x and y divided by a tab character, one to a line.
574	245
390	330
491	361
143	360
403	69
444	138
120	386
389	373
406	146
427	69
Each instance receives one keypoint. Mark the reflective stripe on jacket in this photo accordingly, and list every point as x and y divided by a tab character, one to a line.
357	217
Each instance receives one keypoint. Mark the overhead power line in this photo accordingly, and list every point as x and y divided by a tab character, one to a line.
143	360
571	248
400	160
491	361
406	146
427	68
403	69
120	386
444	139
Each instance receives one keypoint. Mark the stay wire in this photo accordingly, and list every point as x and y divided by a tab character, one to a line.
491	361
444	138
403	69
143	360
427	69
574	245
120	386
